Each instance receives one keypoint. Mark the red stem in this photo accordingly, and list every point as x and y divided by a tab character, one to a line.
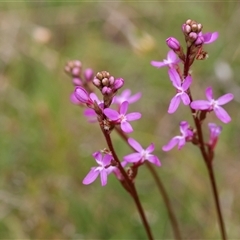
207	158
162	191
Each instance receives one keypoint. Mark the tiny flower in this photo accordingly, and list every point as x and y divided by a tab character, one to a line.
122	117
181	90
141	154
214	105
180	140
126	96
103	168
173	43
171	61
215	131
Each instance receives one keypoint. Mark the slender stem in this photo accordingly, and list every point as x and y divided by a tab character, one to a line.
206	157
216	199
166	200
162	191
131	186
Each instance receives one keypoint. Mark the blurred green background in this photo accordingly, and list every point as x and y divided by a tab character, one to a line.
46	143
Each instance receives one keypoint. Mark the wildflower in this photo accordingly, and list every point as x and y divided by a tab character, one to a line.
214	105
103	169
141	154
180	140
171	61
181	90
122	117
126	96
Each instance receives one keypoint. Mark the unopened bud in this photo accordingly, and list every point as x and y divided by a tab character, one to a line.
173	43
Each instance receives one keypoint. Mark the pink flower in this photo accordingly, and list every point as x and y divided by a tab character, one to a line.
181	90
171	61
180	140
122	117
141	154
103	169
214	105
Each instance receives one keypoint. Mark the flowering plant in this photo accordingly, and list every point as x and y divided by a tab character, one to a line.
111	114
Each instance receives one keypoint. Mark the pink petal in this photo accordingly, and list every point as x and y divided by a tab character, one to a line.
106	159
98	157
103	176
171	144
174	77
225	99
111	114
126	127
124	107
210	37
134	97
209	93
91	176
181	143
185	98
222	114
174	104
172	57
187	82
154	159
150	148
158	64
133	157
200	105
134	144
133	116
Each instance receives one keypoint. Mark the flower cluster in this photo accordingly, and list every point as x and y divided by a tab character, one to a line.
195	39
109	112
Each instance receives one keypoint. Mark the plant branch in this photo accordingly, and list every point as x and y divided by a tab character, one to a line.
161	189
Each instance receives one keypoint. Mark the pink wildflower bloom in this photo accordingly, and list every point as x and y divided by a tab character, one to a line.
171	61
180	140
122	117
103	169
214	105
126	96
141	154
215	131
181	90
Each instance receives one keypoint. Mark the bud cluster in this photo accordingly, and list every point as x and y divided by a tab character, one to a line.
192	32
108	85
74	69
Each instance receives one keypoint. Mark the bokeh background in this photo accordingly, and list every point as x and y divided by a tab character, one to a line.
46	143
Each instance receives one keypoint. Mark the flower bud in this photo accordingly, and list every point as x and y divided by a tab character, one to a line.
173	43
88	74
118	83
